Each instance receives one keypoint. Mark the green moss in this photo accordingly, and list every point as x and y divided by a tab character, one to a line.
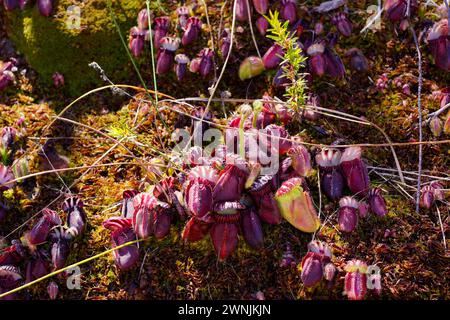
49	46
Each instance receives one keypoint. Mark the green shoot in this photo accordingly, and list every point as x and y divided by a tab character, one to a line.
292	63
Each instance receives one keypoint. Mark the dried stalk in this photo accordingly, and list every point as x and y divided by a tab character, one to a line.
419	107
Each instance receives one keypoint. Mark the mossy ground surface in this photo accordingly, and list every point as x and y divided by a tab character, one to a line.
406	246
50	46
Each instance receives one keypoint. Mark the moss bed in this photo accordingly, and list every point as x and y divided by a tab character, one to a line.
406	246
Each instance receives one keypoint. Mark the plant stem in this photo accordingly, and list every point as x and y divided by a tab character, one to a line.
419	106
